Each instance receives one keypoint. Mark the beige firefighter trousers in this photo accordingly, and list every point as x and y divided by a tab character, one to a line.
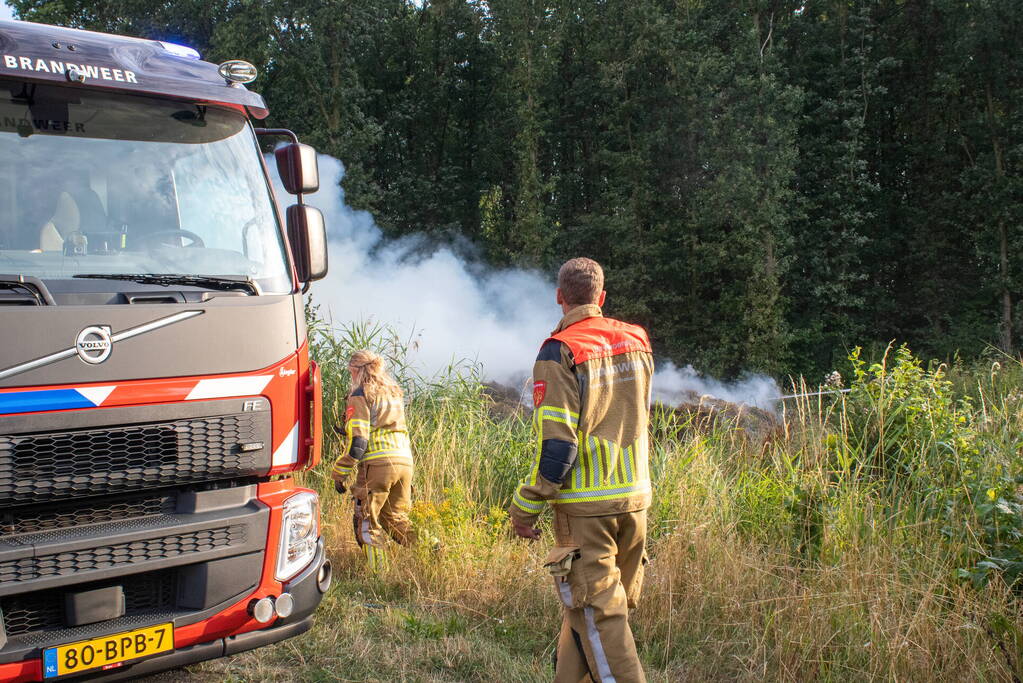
597	564
383	496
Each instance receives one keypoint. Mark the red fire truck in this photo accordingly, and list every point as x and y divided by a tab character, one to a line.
156	392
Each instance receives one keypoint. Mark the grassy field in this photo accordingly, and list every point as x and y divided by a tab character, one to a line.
877	536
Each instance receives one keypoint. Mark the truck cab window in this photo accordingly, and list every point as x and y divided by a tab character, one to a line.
103	183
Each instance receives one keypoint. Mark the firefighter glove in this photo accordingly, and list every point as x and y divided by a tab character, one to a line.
525	530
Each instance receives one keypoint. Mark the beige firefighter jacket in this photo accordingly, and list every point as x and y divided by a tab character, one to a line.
375	431
591	396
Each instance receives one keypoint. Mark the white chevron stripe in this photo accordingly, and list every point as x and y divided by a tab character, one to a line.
96	394
224	387
287	452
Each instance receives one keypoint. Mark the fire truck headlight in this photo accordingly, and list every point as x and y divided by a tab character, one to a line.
299	532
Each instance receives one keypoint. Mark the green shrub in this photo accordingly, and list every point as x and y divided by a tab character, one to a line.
872	536
941	458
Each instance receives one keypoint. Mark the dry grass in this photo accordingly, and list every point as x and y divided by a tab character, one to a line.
784	562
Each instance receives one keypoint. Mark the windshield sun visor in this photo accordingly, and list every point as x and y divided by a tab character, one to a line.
39	108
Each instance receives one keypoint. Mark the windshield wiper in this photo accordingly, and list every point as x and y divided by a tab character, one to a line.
221	282
33	285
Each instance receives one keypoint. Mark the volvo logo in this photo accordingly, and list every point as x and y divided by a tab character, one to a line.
93	344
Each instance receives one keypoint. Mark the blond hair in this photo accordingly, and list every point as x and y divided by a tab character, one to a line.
581	280
376	382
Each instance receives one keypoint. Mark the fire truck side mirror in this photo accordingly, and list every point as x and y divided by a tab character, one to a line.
308	237
297	167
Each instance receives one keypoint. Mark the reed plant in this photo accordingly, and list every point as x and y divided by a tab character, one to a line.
876	535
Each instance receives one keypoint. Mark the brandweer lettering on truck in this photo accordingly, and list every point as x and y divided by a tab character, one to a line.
41	124
52	66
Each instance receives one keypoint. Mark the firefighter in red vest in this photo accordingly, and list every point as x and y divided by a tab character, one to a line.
591	397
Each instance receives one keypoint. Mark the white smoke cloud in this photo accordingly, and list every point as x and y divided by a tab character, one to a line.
674	385
498	318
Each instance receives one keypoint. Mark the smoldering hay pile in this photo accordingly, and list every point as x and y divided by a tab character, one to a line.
706	413
748	406
687	402
456	310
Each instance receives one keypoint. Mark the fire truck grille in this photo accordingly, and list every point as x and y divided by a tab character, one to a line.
37	467
81	513
119	555
44	610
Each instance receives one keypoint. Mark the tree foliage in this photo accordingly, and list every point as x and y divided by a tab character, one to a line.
767	182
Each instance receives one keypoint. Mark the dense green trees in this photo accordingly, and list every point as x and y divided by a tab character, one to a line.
768	182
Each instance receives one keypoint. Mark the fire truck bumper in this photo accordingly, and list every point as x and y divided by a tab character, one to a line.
212	650
307	589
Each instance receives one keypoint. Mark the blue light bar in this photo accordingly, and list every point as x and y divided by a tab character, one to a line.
180	50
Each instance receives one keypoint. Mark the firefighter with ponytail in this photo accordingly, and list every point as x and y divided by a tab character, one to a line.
377	449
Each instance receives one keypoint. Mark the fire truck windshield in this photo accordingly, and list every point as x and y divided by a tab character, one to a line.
100	183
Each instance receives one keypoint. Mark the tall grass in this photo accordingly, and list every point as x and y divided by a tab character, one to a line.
876	536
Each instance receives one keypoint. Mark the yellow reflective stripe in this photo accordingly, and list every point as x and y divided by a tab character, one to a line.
342	469
380	441
397	454
586	479
399	449
619	465
597	466
586	484
614	493
612	457
561	415
604	487
577	469
561	412
591	466
526	505
349	437
584	463
604	471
